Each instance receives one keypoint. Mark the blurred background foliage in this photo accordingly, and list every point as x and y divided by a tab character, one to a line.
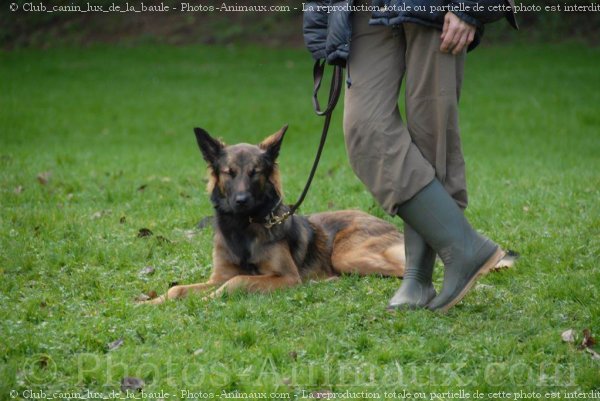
20	29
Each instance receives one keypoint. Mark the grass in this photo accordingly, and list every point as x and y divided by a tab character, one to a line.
110	131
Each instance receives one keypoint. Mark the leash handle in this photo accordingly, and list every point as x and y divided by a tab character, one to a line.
334	95
334	90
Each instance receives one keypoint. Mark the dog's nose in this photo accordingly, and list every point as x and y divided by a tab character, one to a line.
241	199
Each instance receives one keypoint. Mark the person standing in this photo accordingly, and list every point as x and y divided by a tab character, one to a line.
414	168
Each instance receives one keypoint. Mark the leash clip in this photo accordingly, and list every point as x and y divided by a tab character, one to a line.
276	220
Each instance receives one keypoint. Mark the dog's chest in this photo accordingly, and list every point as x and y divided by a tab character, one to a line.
245	250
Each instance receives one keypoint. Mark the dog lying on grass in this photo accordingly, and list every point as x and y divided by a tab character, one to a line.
253	255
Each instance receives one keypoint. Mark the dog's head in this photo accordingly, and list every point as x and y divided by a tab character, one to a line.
244	178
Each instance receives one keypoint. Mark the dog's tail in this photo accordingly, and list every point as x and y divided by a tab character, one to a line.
507	261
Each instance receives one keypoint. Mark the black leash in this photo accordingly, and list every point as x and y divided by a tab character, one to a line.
334	94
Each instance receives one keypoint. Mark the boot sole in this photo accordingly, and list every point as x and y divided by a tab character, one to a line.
488	266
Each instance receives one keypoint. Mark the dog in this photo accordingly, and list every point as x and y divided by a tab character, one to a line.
254	254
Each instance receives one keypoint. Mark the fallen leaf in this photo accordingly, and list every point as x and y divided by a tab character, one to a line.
43	361
586	344
133	384
147	271
44	178
18	189
287	381
293	355
144	232
199	351
115	344
568	336
588	340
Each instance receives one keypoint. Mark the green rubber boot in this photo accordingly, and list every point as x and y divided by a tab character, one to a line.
417	288
466	254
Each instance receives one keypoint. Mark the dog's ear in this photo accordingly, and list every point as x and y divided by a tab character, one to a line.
272	144
211	148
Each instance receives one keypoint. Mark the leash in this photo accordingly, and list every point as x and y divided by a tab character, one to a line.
334	94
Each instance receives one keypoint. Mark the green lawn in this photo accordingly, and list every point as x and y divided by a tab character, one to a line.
97	143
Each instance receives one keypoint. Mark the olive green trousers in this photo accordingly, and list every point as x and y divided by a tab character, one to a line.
396	158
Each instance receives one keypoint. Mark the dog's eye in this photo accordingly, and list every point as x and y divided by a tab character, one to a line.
229	172
253	172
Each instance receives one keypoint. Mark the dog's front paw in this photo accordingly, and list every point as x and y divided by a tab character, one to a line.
213	295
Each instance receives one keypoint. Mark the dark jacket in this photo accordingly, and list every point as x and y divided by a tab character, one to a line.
328	28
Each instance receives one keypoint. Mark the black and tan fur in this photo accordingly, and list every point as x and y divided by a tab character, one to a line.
245	187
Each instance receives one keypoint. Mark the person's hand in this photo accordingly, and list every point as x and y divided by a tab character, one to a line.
456	34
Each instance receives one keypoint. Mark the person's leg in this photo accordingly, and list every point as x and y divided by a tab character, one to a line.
466	254
417	288
379	145
433	82
432	89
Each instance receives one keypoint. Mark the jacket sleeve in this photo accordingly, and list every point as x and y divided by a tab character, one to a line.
339	30
491	11
315	28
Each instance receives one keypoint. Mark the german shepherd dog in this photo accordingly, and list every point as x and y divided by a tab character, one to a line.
251	254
